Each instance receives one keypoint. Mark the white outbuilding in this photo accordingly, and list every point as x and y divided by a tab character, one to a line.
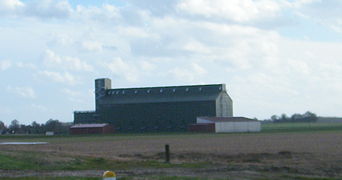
228	124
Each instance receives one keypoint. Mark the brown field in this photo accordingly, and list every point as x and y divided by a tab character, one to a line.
239	156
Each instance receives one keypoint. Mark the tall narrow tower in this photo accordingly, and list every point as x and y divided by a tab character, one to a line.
101	85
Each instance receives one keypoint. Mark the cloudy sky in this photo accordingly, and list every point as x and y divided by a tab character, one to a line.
275	56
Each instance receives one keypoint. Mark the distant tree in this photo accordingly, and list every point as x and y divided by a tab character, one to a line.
2	127
296	117
55	126
274	118
310	117
36	128
306	117
24	129
14	126
283	118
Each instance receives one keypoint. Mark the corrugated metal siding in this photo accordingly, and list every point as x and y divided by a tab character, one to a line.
224	105
156	116
85	117
237	127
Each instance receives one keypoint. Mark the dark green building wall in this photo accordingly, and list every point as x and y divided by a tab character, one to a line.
172	116
86	117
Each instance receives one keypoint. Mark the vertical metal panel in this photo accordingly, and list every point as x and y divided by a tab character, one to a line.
224	105
175	116
221	127
101	85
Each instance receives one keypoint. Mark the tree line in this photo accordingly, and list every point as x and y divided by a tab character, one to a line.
306	117
35	128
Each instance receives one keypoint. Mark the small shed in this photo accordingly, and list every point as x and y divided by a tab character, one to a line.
91	129
225	124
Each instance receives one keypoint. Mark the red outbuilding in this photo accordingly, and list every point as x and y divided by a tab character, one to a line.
91	129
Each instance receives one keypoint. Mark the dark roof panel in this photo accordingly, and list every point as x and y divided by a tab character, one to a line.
228	119
88	125
163	94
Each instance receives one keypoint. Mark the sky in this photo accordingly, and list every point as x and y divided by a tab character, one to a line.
275	56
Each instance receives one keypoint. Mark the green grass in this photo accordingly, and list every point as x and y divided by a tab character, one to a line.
123	178
112	137
45	161
310	178
91	138
172	178
50	178
300	127
164	178
266	128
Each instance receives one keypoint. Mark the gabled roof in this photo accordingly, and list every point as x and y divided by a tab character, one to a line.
163	94
88	125
228	119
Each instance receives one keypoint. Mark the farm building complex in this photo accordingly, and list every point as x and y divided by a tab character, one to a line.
170	108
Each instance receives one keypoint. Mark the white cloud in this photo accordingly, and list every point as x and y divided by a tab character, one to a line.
26	65
337	25
70	92
71	63
39	107
123	69
134	32
74	96
301	3
26	92
48	9
299	66
106	12
197	47
10	6
5	64
59	77
61	38
92	45
235	10
327	13
192	73
147	66
36	8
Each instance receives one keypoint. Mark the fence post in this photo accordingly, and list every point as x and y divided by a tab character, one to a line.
167	153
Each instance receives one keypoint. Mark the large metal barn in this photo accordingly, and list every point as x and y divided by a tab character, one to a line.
147	109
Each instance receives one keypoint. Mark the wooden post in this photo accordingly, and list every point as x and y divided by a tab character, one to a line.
167	153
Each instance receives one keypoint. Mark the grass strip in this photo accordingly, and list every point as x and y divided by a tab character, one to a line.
45	161
50	178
